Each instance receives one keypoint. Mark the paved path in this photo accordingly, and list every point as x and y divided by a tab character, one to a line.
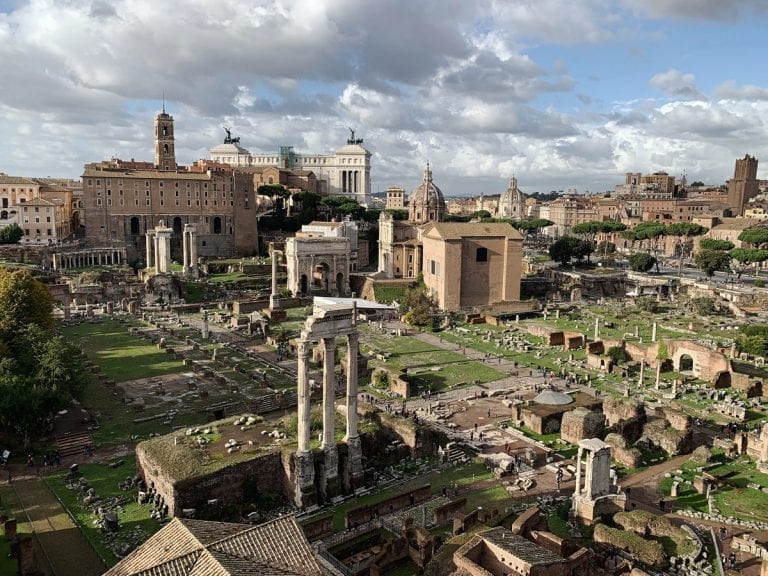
67	550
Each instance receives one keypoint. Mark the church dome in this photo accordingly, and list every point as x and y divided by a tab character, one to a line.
512	201
552	398
426	202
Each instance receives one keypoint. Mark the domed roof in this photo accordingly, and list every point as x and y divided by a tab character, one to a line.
426	192
426	202
511	193
553	398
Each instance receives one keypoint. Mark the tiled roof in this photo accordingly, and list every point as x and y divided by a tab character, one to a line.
187	547
5	179
459	230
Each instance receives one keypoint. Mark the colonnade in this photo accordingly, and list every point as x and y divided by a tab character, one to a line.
88	258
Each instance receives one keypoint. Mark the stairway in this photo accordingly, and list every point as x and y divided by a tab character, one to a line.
73	444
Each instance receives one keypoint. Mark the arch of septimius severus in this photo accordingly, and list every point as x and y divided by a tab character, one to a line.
326	324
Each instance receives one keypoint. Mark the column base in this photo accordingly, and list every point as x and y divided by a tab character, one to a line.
329	474
354	470
305	494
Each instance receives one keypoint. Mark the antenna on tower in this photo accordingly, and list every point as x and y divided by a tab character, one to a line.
163	101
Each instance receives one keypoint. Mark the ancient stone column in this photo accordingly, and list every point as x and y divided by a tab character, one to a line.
352	351
354	474
193	250
590	465
304	392
658	374
185	250
150	245
163	255
653	333
579	456
274	300
329	385
597	329
642	373
205	324
156	258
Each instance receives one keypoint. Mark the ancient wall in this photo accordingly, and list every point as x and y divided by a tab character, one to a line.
581	423
617	409
672	441
678	420
444	514
621	453
362	514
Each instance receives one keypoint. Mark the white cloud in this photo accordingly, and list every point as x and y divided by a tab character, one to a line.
675	83
716	10
732	91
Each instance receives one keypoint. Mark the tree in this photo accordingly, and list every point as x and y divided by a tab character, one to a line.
715	244
617	354
754	236
711	261
650	232
481	214
605	247
684	230
648	303
23	300
11	234
642	262
417	305
569	247
697	183
746	256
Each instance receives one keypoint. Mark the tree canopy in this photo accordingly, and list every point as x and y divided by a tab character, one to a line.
754	236
39	372
711	261
715	244
11	234
417	305
23	300
569	247
642	262
747	256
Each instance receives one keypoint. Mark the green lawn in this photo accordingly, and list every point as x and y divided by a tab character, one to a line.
10	506
132	516
119	355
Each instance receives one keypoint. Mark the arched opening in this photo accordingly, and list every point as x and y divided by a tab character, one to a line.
217	225
686	363
303	284
340	284
4	215
135	226
723	380
320	276
165	148
177	225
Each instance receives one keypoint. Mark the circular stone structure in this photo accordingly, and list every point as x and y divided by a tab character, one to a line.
552	398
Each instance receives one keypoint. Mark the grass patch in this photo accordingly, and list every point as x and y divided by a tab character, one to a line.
133	517
11	507
119	355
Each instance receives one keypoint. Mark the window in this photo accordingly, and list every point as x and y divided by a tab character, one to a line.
481	255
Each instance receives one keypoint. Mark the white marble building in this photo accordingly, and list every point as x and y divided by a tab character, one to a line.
347	172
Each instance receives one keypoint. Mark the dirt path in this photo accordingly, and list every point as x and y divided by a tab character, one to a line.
64	545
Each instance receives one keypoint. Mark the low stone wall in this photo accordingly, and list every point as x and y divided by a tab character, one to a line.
444	514
364	514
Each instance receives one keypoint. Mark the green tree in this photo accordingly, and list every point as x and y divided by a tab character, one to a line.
755	237
11	234
605	247
711	261
530	227
642	262
647	303
397	213
697	183
683	232
617	354
569	247
23	300
715	244
417	305
481	214
651	233
747	256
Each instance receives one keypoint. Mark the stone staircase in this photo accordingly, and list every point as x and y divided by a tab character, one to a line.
273	402
73	444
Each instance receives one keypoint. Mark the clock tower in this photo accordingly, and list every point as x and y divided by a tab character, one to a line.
165	148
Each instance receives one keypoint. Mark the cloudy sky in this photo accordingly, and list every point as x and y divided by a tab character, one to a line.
562	93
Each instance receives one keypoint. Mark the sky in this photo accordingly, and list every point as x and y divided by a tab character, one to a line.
562	94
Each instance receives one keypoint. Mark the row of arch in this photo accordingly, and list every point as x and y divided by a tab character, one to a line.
177	224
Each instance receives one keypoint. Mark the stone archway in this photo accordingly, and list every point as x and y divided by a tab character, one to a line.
303	284
722	380
340	284
320	279
685	363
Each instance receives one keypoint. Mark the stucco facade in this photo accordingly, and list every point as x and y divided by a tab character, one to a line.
468	265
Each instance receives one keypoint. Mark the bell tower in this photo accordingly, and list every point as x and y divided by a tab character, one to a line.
165	148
